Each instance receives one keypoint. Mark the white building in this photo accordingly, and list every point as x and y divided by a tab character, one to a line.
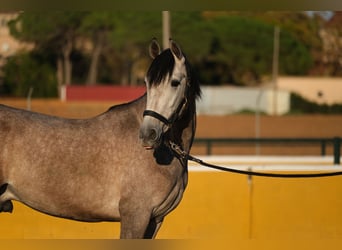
225	100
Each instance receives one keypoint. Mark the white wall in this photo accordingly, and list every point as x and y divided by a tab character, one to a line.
227	100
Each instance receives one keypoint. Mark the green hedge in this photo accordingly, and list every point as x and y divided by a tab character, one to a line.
300	105
27	70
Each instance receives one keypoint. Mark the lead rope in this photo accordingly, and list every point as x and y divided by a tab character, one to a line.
184	155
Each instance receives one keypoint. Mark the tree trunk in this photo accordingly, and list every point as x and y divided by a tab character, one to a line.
59	75
67	62
93	69
124	74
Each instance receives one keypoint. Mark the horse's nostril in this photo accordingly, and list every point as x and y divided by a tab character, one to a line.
153	135
149	135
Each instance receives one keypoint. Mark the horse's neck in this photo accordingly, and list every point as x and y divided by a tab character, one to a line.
139	106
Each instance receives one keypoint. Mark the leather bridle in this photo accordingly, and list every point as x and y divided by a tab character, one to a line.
176	115
168	121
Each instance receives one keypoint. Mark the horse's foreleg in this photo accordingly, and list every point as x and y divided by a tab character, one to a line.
134	226
134	218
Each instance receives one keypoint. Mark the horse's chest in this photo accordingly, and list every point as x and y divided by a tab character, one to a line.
172	199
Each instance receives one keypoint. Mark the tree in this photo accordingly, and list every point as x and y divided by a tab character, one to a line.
331	35
133	31
238	48
303	29
29	70
193	32
224	47
51	31
97	26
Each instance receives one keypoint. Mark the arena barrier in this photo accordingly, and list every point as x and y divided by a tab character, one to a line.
218	205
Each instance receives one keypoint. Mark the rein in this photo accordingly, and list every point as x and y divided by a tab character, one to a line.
184	155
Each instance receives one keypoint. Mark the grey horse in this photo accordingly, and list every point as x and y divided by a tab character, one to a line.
117	166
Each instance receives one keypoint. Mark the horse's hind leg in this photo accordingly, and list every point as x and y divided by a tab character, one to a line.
5	204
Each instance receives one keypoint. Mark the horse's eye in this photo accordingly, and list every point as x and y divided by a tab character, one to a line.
175	83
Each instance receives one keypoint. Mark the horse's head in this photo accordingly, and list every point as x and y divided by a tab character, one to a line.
167	83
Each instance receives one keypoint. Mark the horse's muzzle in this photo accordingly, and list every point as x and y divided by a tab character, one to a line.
150	136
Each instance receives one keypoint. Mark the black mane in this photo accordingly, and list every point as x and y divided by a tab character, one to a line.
162	67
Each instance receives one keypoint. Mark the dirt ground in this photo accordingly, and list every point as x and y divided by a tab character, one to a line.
230	126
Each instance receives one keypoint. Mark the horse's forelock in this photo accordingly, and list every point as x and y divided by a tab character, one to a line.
161	67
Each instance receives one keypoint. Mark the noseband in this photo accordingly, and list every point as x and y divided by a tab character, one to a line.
158	116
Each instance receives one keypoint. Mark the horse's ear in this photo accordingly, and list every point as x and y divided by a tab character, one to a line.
154	48
175	49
